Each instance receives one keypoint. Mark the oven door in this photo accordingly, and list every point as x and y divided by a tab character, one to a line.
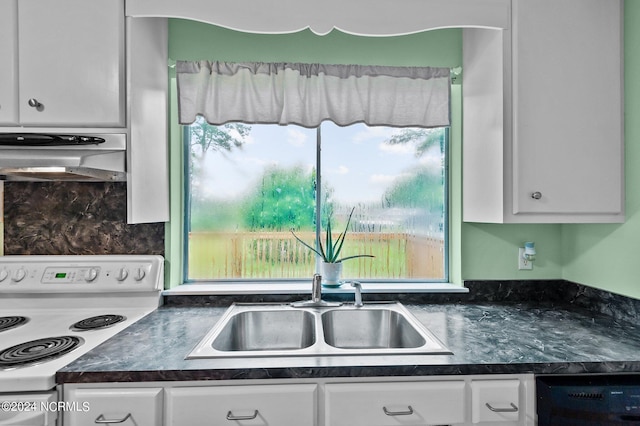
28	409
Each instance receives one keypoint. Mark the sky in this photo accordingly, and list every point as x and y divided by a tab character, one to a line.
355	160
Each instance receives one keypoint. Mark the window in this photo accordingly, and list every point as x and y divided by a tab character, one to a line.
261	195
249	185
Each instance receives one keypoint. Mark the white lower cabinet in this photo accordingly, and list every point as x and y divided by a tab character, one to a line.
262	405
110	406
388	404
496	402
487	400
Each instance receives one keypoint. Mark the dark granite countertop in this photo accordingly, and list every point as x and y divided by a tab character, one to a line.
486	337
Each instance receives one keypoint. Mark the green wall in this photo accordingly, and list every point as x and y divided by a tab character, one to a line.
598	255
190	40
490	251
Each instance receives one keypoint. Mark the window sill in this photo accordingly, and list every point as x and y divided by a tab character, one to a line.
305	287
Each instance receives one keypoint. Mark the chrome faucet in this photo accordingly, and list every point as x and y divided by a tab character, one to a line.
316	288
316	296
358	294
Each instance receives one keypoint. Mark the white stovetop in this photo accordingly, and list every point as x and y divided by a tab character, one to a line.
44	323
55	292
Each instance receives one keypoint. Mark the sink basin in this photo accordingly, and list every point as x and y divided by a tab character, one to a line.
272	330
369	329
267	331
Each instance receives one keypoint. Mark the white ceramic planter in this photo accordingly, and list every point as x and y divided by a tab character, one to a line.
331	273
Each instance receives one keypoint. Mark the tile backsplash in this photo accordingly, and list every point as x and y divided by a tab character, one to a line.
74	218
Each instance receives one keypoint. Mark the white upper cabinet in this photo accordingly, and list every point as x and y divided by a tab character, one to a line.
71	60
9	68
543	115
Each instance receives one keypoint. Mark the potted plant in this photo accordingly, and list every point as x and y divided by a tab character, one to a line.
330	253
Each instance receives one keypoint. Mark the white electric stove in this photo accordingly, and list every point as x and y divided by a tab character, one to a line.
54	309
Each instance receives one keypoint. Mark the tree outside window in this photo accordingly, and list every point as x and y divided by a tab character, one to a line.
250	184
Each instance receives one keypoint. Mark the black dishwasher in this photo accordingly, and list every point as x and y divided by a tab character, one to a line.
588	400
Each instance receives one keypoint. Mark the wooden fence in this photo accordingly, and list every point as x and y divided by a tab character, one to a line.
255	255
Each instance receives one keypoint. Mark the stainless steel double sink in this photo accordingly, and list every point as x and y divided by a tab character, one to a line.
272	330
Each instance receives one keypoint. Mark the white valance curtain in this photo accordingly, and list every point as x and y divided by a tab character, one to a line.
307	94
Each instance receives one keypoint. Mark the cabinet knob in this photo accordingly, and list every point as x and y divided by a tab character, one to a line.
536	195
33	102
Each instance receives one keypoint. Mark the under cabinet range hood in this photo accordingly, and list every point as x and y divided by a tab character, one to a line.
57	157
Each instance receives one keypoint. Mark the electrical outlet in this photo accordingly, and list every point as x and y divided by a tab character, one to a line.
523	264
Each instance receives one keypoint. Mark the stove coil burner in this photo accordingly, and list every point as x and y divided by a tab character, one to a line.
7	323
97	322
38	351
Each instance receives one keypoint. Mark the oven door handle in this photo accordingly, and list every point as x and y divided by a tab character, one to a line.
102	420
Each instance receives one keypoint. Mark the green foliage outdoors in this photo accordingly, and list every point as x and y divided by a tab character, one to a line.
424	139
421	186
217	138
282	199
414	190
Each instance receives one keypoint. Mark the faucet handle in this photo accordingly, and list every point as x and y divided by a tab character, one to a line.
358	294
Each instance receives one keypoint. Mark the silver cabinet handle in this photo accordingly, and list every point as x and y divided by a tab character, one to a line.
408	412
33	102
513	409
231	416
102	420
536	195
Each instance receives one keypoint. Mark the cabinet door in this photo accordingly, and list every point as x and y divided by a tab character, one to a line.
567	106
382	404
123	406
496	401
265	405
71	62
9	55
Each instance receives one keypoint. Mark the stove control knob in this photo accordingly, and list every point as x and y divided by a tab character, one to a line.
139	275
90	275
122	274
19	275
3	275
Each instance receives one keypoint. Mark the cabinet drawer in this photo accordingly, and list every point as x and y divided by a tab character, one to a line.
495	401
124	406
265	405
382	404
